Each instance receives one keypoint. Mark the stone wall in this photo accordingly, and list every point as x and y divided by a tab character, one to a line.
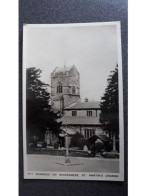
82	112
81	129
70	81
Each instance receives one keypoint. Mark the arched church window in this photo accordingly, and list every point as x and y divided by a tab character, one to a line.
59	88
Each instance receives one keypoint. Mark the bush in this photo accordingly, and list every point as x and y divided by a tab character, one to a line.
75	139
34	144
88	144
81	143
56	145
44	145
99	146
110	155
108	146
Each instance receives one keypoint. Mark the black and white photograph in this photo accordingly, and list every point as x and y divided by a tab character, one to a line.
73	101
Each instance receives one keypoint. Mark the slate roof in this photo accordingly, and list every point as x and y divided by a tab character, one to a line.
79	120
84	105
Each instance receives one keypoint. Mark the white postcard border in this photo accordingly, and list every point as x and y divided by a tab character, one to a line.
77	175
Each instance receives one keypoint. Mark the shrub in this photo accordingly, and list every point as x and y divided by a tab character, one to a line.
81	143
34	144
55	145
99	146
75	139
88	144
44	145
108	146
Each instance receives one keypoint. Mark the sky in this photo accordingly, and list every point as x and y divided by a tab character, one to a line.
92	49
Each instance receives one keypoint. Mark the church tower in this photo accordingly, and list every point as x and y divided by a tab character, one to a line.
65	87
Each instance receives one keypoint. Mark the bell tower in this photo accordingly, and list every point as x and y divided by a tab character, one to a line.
65	87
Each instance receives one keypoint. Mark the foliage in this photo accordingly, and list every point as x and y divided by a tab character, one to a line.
108	146
81	143
75	138
39	116
110	104
44	144
56	145
99	146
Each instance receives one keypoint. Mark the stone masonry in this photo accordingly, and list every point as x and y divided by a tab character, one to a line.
65	87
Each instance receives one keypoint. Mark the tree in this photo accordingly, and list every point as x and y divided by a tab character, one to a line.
39	116
110	106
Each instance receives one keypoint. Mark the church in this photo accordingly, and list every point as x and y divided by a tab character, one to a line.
77	116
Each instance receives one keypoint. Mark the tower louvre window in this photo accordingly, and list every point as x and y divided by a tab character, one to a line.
59	88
